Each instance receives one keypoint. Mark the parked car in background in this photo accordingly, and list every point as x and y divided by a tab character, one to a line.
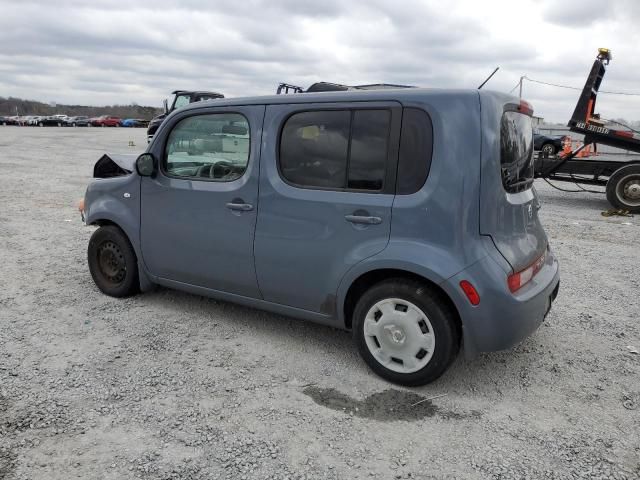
420	245
548	144
106	121
8	120
80	121
180	99
53	121
134	122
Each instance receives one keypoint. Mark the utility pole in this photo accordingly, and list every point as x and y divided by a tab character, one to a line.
521	78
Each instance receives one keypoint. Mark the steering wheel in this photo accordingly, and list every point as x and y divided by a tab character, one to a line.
204	171
221	169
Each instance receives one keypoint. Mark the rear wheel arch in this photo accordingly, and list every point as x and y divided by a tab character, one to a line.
367	280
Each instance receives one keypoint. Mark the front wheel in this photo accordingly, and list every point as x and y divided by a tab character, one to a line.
405	332
112	262
623	188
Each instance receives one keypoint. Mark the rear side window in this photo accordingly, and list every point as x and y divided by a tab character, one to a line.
516	151
336	149
416	147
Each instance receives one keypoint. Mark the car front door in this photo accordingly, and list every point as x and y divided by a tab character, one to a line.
198	213
327	185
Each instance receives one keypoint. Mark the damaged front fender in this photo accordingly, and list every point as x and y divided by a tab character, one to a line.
115	165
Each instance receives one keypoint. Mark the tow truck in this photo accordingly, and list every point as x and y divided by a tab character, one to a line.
621	179
180	99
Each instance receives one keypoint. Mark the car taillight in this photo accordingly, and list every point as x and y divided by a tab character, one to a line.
519	279
526	108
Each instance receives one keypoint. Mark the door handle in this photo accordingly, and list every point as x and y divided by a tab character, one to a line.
363	220
240	207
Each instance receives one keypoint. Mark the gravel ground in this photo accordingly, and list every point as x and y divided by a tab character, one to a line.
170	385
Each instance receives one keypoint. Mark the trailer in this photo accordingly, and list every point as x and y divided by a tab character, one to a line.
621	179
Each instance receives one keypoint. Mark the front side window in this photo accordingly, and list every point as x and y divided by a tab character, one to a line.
211	147
336	149
516	151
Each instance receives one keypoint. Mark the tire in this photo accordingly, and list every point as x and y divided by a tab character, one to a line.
549	149
623	188
41	124
73	125
405	332
112	262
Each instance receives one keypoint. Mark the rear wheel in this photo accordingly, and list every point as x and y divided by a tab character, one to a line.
623	188
112	262
405	332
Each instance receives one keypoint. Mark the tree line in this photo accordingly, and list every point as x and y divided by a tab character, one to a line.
16	106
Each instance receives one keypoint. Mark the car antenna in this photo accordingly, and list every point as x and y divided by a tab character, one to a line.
489	78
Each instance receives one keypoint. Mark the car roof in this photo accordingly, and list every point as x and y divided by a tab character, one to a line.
386	94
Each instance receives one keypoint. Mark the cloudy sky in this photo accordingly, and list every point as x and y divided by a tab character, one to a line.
97	53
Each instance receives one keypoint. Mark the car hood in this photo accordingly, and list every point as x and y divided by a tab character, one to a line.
115	165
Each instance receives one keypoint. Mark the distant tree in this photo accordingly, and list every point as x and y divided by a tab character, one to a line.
16	106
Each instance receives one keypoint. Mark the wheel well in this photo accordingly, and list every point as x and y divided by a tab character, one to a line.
104	223
367	280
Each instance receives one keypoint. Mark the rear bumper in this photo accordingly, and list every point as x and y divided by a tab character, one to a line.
502	319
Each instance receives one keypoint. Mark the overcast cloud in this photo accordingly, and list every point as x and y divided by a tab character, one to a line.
97	53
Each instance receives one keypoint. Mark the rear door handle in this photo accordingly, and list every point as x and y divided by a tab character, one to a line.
363	220
240	207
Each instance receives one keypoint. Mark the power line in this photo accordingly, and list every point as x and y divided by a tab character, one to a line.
576	88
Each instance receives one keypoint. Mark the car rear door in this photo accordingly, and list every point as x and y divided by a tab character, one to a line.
198	213
327	185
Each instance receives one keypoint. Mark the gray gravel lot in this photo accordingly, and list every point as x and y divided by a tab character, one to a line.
170	385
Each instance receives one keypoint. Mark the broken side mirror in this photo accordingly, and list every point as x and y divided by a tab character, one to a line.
165	102
146	165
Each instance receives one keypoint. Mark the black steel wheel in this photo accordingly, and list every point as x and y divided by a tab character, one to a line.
112	262
623	188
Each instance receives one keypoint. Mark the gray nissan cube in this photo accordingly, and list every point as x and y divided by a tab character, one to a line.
407	216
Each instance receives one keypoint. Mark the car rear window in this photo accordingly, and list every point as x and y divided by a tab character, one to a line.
516	151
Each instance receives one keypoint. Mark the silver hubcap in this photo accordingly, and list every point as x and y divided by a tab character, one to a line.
399	335
629	190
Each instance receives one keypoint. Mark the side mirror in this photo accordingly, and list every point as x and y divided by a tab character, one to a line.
146	165
165	102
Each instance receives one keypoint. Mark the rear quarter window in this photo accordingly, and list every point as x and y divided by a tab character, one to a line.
416	146
516	151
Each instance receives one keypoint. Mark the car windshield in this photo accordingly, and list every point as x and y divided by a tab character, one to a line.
181	101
